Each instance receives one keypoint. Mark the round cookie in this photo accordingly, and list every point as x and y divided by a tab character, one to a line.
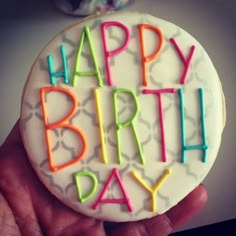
122	116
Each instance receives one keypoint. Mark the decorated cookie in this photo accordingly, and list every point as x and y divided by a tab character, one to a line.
122	116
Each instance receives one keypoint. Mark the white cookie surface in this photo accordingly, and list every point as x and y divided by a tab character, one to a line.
122	154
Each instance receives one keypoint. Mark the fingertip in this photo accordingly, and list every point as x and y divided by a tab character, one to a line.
14	137
201	194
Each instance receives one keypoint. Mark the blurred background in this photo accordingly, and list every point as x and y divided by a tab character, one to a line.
27	25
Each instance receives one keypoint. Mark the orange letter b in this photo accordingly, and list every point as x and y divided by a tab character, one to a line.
60	124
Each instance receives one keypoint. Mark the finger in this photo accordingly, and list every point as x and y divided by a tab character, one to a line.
14	137
165	224
8	225
189	207
16	177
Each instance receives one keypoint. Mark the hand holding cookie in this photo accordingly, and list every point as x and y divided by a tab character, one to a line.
27	208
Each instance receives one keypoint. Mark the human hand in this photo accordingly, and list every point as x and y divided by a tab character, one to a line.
27	208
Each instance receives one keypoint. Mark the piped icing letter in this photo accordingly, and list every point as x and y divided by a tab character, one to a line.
53	74
100	123
115	174
85	197
185	61
158	93
202	146
130	122
146	59
60	124
153	190
109	54
96	72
